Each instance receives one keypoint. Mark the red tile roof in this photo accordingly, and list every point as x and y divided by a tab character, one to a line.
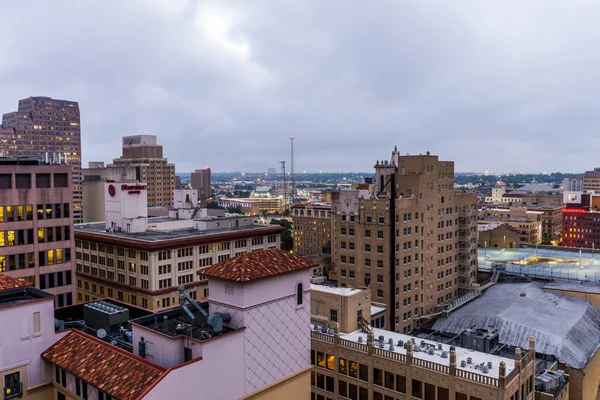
258	265
107	367
7	282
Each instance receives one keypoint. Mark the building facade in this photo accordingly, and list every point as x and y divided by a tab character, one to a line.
94	195
45	125
200	180
23	372
528	223
36	225
312	228
250	341
142	261
414	246
143	152
591	180
581	220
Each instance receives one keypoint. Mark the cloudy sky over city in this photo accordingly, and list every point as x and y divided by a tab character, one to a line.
502	86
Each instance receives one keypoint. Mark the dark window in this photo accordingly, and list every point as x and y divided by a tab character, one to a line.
329	384
299	294
443	393
12	385
363	372
377	377
42	180
61	180
389	380
417	389
63	377
5	181
23	181
430	392
60	396
84	390
400	383
78	386
343	388
353	392
462	396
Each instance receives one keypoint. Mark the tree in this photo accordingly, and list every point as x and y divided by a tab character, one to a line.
547	240
235	210
287	240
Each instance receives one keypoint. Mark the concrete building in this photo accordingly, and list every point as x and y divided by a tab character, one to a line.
385	365
143	152
27	329
253	205
250	341
312	228
565	328
573	184
141	260
36	222
528	223
532	195
412	240
591	180
94	195
348	307
498	235
42	124
201	181
581	220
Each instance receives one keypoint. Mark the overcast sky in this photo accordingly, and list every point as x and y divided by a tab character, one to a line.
508	86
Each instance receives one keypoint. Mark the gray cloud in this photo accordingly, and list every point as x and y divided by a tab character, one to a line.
504	86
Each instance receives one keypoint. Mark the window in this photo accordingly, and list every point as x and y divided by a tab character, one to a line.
333	315
12	385
299	294
36	322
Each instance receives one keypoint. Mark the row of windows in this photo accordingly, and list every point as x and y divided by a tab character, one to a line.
26	212
42	181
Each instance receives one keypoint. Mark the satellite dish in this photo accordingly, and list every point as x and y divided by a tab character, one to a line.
101	333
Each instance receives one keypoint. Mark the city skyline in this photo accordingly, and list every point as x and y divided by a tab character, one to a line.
450	79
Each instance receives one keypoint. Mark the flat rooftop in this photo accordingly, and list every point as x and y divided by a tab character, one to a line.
559	263
152	236
340	291
422	346
376	310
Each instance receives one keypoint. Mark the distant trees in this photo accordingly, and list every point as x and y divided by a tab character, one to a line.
287	238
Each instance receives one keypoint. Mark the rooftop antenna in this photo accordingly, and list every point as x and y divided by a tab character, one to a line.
284	185
292	177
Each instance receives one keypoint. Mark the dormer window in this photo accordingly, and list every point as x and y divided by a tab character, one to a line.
299	294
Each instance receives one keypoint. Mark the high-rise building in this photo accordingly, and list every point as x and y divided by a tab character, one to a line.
40	125
200	180
36	225
411	238
142	151
312	228
591	180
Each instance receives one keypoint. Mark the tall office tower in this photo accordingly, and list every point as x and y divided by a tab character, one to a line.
200	180
142	151
36	225
42	124
411	238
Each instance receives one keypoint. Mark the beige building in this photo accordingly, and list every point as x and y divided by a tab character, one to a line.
200	180
348	307
591	180
498	235
312	228
384	365
415	246
93	187
145	268
528	223
36	222
143	152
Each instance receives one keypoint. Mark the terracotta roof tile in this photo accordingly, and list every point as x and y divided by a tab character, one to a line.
112	370
7	282
258	265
